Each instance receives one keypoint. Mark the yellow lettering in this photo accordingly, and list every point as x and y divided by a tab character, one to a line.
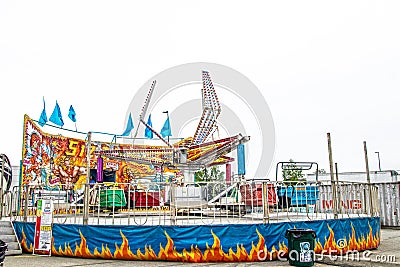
73	148
45	228
82	151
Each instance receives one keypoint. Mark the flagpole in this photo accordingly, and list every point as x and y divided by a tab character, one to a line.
167	118
76	129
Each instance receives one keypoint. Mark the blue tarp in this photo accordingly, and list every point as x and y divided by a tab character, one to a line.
227	239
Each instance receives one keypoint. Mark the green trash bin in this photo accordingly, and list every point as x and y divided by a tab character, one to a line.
301	244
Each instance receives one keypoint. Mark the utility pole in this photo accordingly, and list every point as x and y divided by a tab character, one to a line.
167	118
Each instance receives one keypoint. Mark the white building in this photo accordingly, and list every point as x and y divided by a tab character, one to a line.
375	176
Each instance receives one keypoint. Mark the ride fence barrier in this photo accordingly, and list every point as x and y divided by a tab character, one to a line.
155	203
389	200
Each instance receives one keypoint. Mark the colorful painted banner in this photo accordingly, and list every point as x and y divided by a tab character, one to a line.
52	160
203	243
43	226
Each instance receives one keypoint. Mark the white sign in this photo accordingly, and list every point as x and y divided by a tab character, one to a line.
44	224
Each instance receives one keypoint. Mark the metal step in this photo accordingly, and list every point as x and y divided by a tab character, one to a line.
8	236
6	230
11	252
13	245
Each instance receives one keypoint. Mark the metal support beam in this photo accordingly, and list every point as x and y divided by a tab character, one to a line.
3	163
86	193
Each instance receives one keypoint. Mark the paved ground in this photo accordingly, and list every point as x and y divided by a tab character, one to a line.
388	254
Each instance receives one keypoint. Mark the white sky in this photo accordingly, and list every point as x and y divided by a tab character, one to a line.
322	66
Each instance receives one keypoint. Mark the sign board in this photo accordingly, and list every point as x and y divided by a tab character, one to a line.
241	160
44	225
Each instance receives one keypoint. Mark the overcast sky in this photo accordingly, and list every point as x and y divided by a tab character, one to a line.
322	66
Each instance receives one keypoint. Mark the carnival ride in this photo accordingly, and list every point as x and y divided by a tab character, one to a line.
47	157
61	162
190	153
297	193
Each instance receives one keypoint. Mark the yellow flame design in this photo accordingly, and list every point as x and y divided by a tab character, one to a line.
215	253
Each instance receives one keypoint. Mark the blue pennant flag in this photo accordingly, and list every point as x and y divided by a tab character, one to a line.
147	132
129	126
72	114
43	115
56	116
166	129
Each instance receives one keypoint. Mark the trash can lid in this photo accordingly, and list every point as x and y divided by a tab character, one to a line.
298	232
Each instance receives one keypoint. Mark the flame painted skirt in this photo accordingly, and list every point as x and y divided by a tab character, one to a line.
203	243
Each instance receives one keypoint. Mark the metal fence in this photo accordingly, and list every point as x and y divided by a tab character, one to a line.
389	200
352	198
152	203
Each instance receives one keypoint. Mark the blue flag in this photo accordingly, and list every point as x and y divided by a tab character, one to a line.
166	129
43	115
56	116
129	126
72	114
147	132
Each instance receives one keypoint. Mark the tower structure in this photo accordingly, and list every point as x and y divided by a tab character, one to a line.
211	110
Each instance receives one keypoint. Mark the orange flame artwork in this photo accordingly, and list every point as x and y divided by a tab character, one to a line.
352	243
215	252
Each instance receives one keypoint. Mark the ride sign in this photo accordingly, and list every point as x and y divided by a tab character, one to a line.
43	228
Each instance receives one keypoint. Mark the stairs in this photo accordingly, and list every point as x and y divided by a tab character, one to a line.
7	234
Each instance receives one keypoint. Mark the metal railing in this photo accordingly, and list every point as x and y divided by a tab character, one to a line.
153	203
389	200
352	199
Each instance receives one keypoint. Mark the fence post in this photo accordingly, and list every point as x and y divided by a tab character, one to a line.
26	203
2	185
338	190
368	178
265	203
334	200
172	203
86	193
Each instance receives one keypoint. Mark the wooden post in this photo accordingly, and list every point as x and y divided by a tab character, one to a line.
368	178
334	200
86	193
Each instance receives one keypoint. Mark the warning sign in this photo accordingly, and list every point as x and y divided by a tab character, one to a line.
43	228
